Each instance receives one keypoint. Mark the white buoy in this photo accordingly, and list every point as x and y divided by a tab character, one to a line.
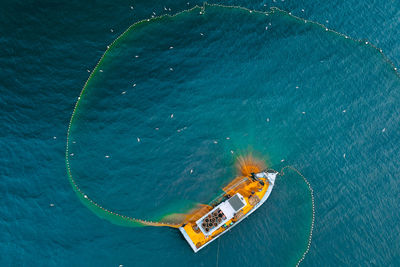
327	21
51	205
157	128
138	139
201	34
228	138
172	115
267	119
297	87
171	69
54	137
106	156
304	112
136	56
302	10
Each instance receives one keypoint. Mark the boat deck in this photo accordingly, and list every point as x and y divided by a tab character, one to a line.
252	191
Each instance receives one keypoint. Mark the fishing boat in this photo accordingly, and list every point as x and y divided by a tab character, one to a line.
241	197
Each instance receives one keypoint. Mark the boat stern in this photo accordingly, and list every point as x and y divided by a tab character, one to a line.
187	237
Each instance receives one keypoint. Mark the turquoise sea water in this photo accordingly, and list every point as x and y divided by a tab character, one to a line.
275	85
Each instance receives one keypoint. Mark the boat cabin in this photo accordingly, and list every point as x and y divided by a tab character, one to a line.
222	213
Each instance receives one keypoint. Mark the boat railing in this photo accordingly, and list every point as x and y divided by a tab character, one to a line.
219	198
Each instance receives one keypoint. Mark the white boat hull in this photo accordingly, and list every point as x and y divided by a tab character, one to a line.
271	178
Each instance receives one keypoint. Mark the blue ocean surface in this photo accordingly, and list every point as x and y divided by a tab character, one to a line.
169	108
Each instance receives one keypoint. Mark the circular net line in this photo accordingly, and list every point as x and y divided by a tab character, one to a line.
311	191
91	204
131	221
